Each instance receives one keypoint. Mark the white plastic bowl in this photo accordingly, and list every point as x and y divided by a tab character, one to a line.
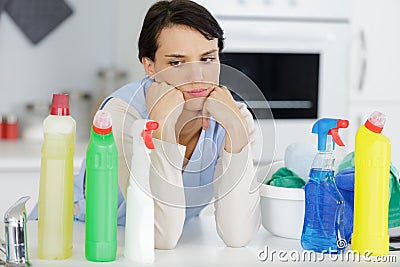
282	209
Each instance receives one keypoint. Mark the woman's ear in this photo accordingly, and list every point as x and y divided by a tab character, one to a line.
148	66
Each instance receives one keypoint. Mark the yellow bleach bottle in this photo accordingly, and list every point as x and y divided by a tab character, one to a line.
371	188
56	191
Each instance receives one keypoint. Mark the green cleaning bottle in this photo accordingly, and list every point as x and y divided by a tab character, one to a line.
101	191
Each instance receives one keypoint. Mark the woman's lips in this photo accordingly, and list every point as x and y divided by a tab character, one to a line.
198	92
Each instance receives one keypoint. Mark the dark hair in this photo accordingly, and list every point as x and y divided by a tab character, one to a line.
176	12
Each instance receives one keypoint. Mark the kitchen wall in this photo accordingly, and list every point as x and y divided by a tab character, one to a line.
99	34
103	34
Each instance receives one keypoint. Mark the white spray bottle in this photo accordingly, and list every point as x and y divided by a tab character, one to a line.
139	227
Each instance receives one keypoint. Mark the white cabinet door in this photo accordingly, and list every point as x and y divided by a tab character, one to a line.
375	51
15	185
392	127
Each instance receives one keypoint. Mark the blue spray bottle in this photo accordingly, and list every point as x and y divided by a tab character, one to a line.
323	229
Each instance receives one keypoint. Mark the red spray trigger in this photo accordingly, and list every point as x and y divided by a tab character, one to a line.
146	133
334	132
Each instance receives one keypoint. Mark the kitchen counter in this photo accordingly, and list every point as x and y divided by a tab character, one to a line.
20	170
201	246
24	155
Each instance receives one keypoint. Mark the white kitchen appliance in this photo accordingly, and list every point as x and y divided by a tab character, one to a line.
296	51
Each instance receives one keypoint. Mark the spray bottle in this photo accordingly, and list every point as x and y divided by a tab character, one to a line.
139	227
371	188
323	229
101	191
56	191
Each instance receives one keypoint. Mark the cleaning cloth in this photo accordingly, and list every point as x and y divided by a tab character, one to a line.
394	203
284	177
345	182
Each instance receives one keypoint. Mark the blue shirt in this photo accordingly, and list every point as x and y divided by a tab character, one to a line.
199	173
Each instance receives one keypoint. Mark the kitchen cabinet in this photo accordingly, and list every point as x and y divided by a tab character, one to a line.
375	51
20	171
16	184
375	75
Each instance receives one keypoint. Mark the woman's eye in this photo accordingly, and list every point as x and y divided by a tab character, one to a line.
208	59
175	63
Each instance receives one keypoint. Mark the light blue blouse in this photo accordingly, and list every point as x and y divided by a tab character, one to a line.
198	174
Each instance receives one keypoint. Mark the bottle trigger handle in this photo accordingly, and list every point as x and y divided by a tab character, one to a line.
334	132
147	134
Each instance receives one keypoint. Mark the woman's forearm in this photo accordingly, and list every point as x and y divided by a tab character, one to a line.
237	136
168	193
237	214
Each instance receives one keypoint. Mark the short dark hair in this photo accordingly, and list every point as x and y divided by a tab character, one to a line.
176	12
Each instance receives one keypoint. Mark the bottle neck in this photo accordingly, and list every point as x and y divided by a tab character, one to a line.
324	160
329	144
101	135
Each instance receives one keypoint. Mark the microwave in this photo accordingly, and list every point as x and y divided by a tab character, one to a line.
288	82
296	55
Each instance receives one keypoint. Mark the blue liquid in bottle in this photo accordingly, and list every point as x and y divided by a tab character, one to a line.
323	229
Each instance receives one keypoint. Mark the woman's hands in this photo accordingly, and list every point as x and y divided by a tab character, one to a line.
164	104
222	107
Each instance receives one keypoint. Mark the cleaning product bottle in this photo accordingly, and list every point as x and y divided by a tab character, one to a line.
101	191
56	191
139	227
323	229
371	188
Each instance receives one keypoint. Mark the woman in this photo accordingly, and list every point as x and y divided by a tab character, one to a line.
202	147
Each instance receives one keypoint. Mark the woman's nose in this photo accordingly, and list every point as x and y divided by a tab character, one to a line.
195	72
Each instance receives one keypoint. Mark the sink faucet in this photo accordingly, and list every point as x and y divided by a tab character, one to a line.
15	246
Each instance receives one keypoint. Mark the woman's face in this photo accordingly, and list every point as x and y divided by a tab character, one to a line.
188	61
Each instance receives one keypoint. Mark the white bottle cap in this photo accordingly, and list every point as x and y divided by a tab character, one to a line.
102	122
376	122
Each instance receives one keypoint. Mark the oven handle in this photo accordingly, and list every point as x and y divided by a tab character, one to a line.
273	36
364	60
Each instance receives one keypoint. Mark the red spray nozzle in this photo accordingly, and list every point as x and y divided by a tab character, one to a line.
342	123
146	133
151	125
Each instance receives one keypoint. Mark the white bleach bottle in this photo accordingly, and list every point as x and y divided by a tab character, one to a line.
139	226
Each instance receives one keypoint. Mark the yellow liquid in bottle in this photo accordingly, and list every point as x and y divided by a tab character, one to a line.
56	196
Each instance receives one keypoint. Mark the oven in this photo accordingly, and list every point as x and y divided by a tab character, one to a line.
296	52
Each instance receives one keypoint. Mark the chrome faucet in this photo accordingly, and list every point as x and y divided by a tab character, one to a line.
15	246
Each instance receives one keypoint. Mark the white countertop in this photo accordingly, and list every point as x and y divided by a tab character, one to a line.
199	246
23	155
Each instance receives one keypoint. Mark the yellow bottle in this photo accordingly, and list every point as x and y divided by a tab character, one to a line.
56	191
371	188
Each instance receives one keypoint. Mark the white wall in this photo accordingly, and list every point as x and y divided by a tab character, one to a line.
129	22
99	34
